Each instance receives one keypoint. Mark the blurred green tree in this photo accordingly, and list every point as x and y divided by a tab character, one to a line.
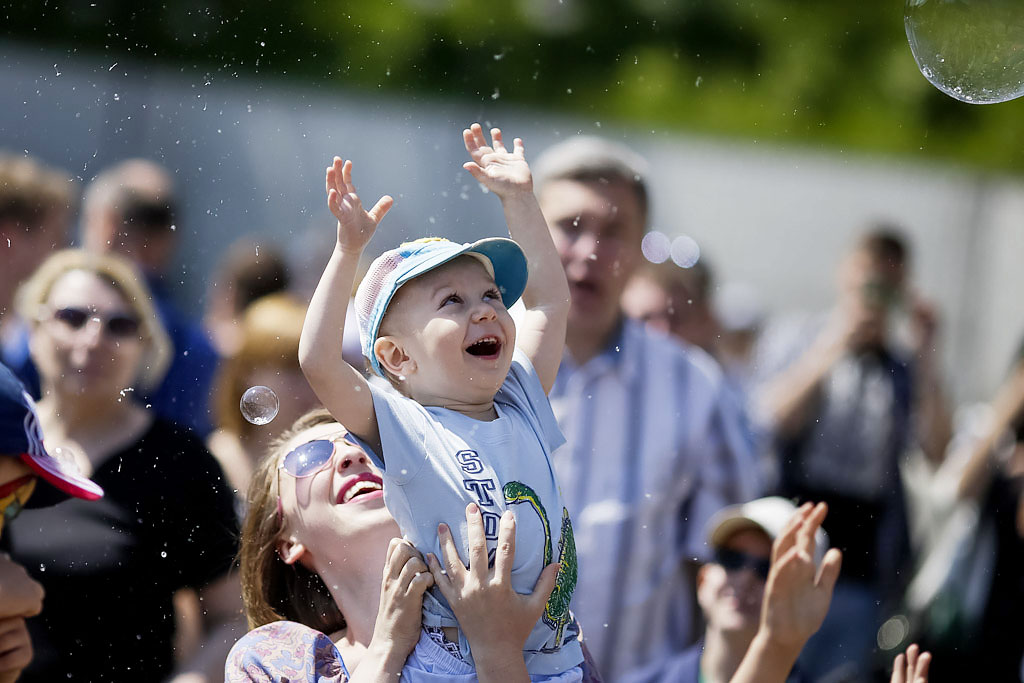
777	71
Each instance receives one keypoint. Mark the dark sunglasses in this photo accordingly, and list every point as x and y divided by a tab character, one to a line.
305	461
734	561
118	325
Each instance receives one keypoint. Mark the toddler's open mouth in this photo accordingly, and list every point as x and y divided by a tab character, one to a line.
485	347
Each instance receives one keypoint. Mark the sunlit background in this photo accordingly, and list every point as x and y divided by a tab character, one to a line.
774	129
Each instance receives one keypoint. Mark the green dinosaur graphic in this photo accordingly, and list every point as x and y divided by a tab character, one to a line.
556	611
516	493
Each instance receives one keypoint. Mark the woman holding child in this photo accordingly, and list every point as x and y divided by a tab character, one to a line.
317	536
315	539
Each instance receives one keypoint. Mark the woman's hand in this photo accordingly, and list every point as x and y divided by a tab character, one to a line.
912	667
478	593
406	579
355	226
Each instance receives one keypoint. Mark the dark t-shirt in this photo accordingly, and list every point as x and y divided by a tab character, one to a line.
110	567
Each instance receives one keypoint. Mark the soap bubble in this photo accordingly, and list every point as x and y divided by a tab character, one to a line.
655	246
259	405
972	50
685	251
893	632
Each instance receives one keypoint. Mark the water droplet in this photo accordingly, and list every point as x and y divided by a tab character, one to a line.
697	83
259	405
163	553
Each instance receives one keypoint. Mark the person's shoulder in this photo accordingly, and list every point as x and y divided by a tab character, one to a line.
284	650
671	353
792	329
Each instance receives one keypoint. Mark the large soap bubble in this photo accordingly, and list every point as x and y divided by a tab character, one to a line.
972	50
259	405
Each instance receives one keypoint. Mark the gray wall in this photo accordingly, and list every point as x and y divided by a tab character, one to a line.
250	156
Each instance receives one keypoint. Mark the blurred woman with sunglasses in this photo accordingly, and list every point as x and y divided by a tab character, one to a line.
110	569
315	542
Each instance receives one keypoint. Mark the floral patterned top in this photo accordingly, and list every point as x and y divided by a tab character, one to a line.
285	652
288	652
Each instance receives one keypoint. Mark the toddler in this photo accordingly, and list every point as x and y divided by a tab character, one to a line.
470	421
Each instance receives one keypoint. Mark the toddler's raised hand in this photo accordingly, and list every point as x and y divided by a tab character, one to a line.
355	225
502	172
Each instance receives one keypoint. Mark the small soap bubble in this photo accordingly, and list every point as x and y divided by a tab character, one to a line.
655	246
892	633
163	553
259	405
969	49
685	251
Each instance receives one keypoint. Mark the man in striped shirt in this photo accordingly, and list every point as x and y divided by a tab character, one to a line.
655	443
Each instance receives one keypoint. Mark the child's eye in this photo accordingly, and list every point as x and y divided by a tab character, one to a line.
451	299
492	294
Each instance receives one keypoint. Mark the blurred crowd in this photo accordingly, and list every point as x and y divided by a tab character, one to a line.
695	418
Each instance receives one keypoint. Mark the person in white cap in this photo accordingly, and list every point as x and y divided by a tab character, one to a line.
730	589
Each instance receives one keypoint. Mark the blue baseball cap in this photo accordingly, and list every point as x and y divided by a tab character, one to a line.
20	437
503	258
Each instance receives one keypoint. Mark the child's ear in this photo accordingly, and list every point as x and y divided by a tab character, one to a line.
290	549
392	357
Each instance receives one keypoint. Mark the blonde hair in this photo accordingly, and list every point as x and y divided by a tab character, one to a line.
271	327
272	590
124	277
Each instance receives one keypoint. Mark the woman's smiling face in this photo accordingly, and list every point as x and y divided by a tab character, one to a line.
338	509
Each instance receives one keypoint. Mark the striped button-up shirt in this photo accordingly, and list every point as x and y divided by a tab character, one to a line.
655	447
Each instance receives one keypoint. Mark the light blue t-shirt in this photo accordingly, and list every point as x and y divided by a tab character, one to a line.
436	461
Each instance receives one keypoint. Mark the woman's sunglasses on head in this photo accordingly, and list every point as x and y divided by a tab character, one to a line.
306	460
117	325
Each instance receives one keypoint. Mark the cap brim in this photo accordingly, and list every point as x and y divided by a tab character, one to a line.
67	484
511	271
